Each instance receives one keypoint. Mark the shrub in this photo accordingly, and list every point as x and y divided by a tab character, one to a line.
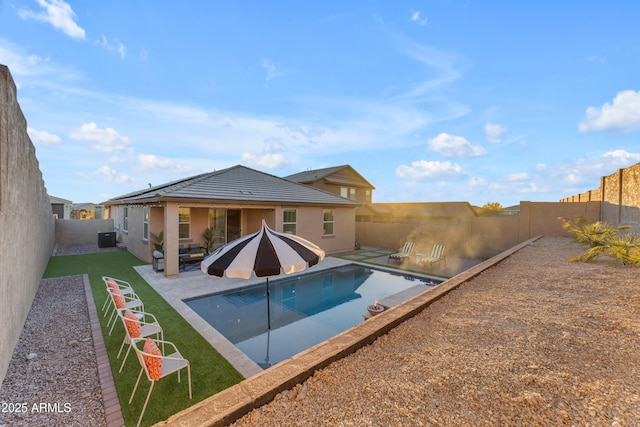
603	238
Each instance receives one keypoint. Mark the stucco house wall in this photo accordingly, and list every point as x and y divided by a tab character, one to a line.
26	221
309	226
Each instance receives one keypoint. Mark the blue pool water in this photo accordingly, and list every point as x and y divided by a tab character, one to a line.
305	310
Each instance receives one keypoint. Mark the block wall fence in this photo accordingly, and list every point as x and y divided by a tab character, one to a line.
26	221
619	194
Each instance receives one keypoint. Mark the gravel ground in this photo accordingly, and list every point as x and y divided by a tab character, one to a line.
52	378
536	340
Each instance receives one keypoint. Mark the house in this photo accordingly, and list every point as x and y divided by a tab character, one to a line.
232	203
61	207
341	180
86	211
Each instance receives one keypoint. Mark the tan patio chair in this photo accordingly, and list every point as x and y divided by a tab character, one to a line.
157	364
137	324
437	255
404	253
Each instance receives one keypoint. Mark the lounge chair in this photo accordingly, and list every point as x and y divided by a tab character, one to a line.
437	255
406	251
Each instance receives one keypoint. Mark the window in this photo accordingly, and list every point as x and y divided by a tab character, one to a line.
327	222
125	218
184	223
145	223
348	192
367	195
289	221
218	226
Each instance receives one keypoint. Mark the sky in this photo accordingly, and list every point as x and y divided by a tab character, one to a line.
478	101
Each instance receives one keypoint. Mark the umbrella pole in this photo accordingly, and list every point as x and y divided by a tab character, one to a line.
268	307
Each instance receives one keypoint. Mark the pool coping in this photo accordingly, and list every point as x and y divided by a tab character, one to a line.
230	404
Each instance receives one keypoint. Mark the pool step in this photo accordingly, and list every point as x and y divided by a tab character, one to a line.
244	299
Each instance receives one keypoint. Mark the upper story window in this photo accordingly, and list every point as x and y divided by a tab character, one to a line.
348	192
145	223
184	223
367	195
125	218
289	218
327	222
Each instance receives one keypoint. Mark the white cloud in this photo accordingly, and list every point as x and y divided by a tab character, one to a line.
623	114
111	176
158	164
265	160
494	132
270	67
59	14
416	16
105	140
423	169
114	46
40	137
443	65
271	157
518	176
621	158
454	146
477	182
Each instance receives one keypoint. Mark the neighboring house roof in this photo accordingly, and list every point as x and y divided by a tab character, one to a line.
58	200
313	175
238	184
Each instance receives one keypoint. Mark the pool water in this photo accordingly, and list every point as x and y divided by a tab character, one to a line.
304	310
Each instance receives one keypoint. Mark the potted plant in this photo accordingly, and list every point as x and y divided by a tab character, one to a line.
159	240
208	238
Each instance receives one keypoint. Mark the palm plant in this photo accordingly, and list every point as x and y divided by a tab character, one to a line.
159	240
208	238
603	238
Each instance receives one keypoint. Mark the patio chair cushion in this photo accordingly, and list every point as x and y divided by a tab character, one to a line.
154	364
118	298
133	324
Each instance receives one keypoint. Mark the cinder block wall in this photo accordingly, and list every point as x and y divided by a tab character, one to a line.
79	232
620	197
466	234
26	221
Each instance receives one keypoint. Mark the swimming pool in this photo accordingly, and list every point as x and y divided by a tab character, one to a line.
305	309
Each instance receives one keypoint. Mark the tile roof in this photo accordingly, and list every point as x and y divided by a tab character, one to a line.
235	184
313	175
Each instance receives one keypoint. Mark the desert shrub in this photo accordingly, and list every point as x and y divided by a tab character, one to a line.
603	238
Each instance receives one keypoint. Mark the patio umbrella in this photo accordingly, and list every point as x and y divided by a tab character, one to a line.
266	253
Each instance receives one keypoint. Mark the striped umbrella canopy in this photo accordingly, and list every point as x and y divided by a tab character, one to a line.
266	253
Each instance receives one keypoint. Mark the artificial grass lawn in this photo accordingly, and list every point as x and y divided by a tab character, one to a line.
210	372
